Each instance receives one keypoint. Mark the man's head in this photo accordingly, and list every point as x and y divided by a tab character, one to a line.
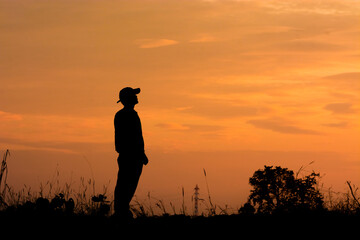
127	96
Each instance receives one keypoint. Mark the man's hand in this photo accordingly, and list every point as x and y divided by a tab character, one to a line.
145	159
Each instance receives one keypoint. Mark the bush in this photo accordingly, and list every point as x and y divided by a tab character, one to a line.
277	190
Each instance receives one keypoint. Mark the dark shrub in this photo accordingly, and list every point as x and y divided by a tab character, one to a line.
277	190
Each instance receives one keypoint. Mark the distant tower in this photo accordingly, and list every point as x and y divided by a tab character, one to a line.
196	198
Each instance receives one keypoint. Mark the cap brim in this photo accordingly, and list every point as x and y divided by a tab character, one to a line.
136	90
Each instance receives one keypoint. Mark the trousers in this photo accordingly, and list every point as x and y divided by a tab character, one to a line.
130	169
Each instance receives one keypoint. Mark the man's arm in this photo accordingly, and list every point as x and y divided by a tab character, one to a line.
141	145
145	159
116	127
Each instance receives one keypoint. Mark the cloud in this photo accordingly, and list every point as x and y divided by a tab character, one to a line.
221	107
22	144
172	126
347	76
309	46
203	39
336	125
6	116
190	127
340	108
72	147
331	7
155	43
345	80
281	127
218	111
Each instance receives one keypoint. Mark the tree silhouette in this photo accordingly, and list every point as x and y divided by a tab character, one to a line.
278	190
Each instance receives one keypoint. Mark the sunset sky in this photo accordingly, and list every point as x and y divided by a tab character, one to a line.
228	86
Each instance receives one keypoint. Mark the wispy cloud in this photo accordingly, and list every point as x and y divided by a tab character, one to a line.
340	108
221	110
347	76
190	127
172	126
349	81
6	116
331	7
53	128
281	127
336	125
309	46
203	39
155	43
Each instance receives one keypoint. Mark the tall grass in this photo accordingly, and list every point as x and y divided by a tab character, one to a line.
3	177
82	199
58	196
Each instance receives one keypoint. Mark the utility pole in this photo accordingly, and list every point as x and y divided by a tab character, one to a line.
196	198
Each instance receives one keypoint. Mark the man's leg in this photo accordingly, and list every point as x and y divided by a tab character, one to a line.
133	181
117	195
128	178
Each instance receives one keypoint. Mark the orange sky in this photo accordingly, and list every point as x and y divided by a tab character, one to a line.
226	85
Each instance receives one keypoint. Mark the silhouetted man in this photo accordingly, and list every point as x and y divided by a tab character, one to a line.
129	143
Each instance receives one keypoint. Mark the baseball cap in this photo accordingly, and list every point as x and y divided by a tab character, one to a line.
127	91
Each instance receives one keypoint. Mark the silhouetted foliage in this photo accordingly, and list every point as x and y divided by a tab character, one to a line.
277	190
59	206
103	206
247	209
